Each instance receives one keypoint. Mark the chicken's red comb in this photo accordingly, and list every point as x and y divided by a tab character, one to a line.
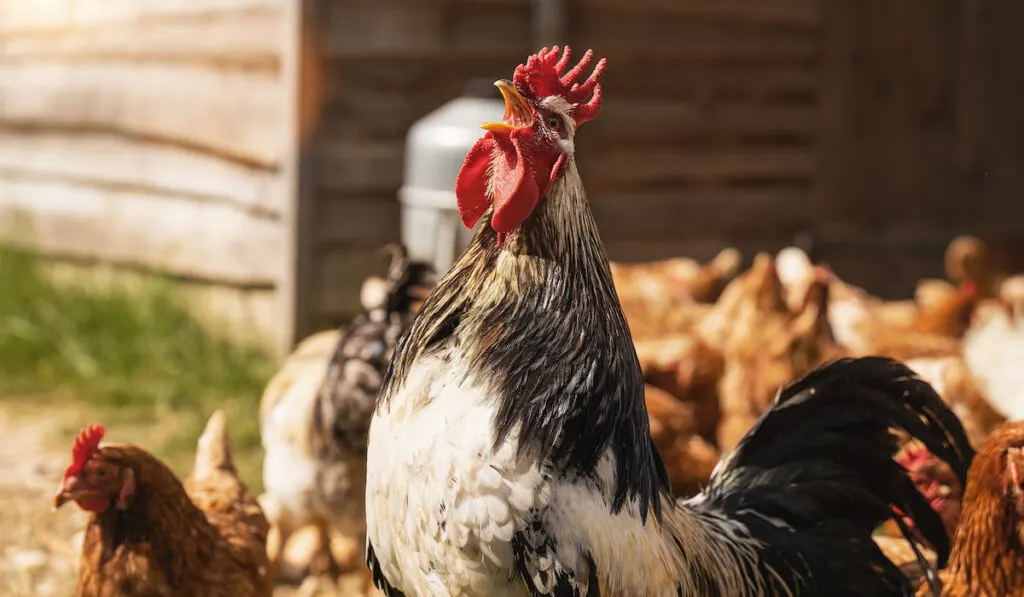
914	457
969	289
86	443
542	77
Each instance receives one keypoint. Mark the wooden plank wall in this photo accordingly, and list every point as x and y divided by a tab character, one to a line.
707	137
921	136
385	64
150	134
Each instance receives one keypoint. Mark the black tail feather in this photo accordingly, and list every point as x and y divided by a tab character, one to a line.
820	459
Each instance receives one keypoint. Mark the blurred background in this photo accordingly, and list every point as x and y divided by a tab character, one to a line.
189	188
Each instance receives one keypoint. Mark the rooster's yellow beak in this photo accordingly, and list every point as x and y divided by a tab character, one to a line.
518	113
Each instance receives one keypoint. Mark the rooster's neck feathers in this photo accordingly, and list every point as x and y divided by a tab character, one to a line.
539	323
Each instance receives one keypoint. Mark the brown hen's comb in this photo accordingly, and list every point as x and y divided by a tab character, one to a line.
914	458
969	289
542	77
86	443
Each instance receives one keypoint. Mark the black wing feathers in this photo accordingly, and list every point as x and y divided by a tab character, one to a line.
820	462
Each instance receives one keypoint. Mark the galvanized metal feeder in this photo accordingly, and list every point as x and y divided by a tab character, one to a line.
436	146
438	143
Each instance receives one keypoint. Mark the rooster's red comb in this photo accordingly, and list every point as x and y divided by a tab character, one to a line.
86	443
542	77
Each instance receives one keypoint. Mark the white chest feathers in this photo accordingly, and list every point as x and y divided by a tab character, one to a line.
442	506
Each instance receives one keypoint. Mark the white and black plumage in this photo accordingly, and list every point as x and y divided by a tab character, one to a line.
510	452
316	412
348	394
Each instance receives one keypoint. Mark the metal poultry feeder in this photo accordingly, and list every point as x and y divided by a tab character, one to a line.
436	146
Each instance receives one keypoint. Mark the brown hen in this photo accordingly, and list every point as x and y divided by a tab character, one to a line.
688	457
988	550
689	370
866	325
671	296
937	483
754	294
150	535
970	259
766	345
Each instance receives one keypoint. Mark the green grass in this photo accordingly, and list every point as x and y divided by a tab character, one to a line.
132	357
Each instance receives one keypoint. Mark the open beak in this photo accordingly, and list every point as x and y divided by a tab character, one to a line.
518	114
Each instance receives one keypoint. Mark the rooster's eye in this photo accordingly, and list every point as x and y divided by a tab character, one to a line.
101	473
554	122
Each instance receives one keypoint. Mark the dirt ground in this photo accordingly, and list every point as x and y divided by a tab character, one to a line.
39	548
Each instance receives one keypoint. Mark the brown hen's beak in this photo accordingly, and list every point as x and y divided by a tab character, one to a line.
66	492
71	489
518	114
60	499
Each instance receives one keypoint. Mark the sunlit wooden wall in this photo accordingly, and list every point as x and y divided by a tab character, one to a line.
154	135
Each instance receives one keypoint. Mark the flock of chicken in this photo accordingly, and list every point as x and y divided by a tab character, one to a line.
715	345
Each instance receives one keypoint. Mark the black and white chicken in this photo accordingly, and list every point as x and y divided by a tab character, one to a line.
315	413
510	453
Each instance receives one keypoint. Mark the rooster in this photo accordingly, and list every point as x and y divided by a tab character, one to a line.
510	452
151	535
